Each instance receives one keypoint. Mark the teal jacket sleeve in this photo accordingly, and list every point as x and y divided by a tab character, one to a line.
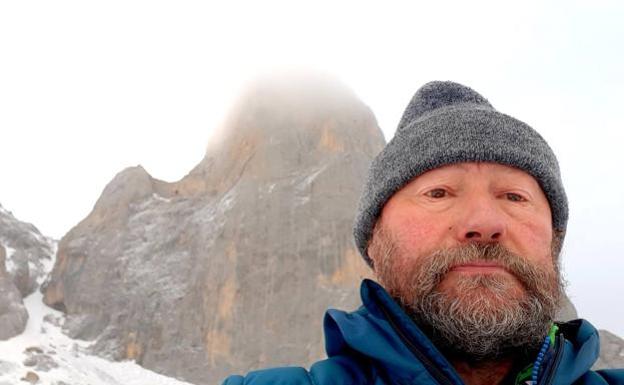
275	376
338	370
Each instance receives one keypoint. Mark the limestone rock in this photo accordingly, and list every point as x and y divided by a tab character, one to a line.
36	358
41	362
232	267
567	311
31	377
27	252
611	351
13	314
24	253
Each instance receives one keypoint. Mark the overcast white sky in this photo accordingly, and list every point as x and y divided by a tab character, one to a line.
89	88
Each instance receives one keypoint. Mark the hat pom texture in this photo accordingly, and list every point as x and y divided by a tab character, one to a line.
446	123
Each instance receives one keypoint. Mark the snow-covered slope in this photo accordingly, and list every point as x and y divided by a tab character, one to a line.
53	358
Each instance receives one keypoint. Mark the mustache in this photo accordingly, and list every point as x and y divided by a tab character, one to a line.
433	268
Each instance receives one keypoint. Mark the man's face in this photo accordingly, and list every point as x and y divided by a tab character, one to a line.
468	251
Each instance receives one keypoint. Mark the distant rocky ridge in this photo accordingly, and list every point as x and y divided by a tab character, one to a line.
232	267
24	253
611	351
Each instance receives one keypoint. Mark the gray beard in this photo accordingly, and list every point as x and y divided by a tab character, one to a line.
482	330
479	320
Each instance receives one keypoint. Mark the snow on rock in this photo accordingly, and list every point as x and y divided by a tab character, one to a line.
28	253
33	348
25	260
43	354
56	359
10	266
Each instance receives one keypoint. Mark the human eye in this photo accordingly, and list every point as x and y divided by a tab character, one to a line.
515	197
436	193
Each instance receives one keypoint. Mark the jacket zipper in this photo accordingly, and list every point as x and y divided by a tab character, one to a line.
430	366
549	377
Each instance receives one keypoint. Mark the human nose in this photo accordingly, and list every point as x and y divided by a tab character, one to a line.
480	221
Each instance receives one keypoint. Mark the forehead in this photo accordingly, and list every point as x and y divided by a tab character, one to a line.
477	171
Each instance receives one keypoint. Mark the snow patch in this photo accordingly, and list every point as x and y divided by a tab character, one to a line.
48	263
307	180
9	251
40	238
5	211
43	334
227	201
160	198
10	266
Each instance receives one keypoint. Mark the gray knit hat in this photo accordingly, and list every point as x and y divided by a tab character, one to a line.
446	123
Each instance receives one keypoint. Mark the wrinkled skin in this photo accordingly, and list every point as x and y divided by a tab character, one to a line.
469	251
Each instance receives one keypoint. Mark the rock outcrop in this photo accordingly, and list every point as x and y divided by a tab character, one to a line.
28	252
232	267
567	311
611	351
24	253
13	314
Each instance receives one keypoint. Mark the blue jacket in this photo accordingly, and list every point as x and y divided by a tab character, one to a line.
379	345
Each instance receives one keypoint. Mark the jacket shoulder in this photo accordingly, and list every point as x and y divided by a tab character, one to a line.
337	370
612	376
603	377
273	376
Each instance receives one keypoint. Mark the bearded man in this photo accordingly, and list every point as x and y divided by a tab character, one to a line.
462	219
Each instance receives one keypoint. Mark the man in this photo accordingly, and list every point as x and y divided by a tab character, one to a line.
462	219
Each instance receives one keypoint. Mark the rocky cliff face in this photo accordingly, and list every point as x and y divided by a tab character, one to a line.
611	351
567	311
24	253
232	267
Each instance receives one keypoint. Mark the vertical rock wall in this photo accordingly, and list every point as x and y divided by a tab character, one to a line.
232	267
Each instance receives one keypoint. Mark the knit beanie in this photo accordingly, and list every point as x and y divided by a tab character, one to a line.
445	123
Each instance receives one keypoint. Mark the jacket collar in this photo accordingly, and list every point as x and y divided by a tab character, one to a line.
381	331
580	349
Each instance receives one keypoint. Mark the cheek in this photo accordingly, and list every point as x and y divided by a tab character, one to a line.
540	235
534	242
532	231
418	233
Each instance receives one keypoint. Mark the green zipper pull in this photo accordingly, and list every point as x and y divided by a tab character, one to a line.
553	331
524	377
